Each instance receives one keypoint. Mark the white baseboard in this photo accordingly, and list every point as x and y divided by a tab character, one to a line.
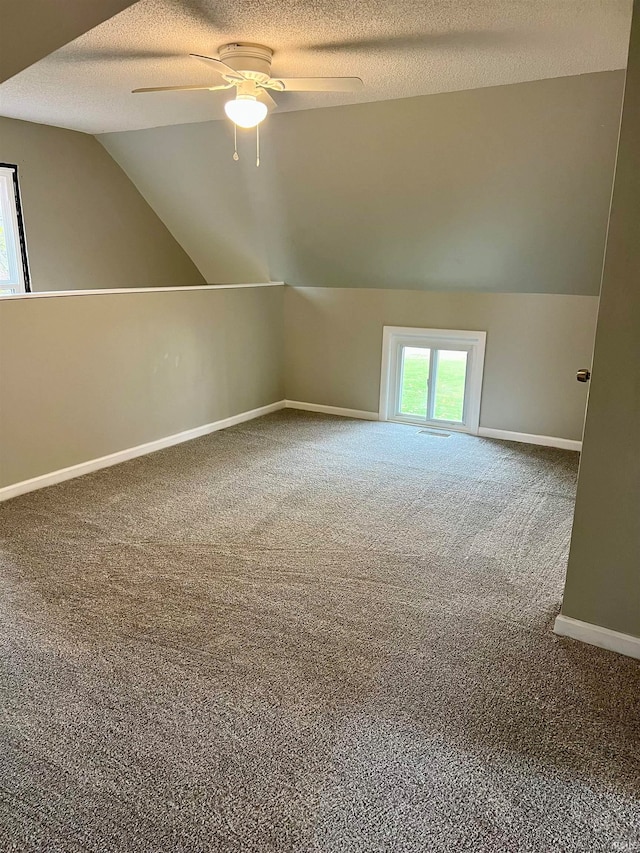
486	432
332	410
596	635
91	465
530	438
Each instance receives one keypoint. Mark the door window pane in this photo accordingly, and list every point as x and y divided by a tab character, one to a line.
449	385
414	381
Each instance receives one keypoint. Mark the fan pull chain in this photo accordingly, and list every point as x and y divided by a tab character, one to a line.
235	142
257	145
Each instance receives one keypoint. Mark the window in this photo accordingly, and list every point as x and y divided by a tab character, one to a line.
14	273
432	376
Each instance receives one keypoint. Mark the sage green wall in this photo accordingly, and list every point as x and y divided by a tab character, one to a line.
85	376
496	189
87	226
603	579
211	204
535	344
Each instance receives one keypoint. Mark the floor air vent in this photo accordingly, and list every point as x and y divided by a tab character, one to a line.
437	432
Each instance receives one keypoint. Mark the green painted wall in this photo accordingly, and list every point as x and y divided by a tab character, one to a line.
83	376
87	226
603	579
535	344
502	189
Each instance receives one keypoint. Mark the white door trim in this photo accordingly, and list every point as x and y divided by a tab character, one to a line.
473	342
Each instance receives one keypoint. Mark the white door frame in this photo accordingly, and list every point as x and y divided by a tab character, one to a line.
396	337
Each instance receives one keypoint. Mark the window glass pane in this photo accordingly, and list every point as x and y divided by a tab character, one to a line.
5	232
450	382
9	273
414	381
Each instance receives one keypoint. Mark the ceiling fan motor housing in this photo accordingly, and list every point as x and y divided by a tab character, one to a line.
253	60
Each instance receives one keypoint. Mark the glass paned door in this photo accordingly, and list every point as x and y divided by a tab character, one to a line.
432	384
414	381
432	376
451	378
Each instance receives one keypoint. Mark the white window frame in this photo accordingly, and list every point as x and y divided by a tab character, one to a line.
396	337
15	240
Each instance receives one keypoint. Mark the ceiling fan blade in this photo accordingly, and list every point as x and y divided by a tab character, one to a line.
266	98
321	84
273	84
221	67
182	88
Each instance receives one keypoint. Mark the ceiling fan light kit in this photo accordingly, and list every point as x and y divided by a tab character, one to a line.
248	67
246	110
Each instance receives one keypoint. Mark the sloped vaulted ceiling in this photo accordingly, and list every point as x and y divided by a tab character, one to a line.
502	188
497	189
32	29
400	48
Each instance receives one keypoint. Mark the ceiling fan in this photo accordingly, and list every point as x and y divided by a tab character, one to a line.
247	68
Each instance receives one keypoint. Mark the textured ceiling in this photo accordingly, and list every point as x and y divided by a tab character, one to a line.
400	48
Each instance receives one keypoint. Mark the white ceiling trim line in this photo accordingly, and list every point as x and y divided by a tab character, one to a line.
140	290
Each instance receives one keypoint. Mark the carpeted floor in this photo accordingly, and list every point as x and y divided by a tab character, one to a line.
308	634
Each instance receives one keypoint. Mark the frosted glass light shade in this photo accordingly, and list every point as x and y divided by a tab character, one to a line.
246	110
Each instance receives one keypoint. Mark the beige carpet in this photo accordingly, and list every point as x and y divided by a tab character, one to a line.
308	634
